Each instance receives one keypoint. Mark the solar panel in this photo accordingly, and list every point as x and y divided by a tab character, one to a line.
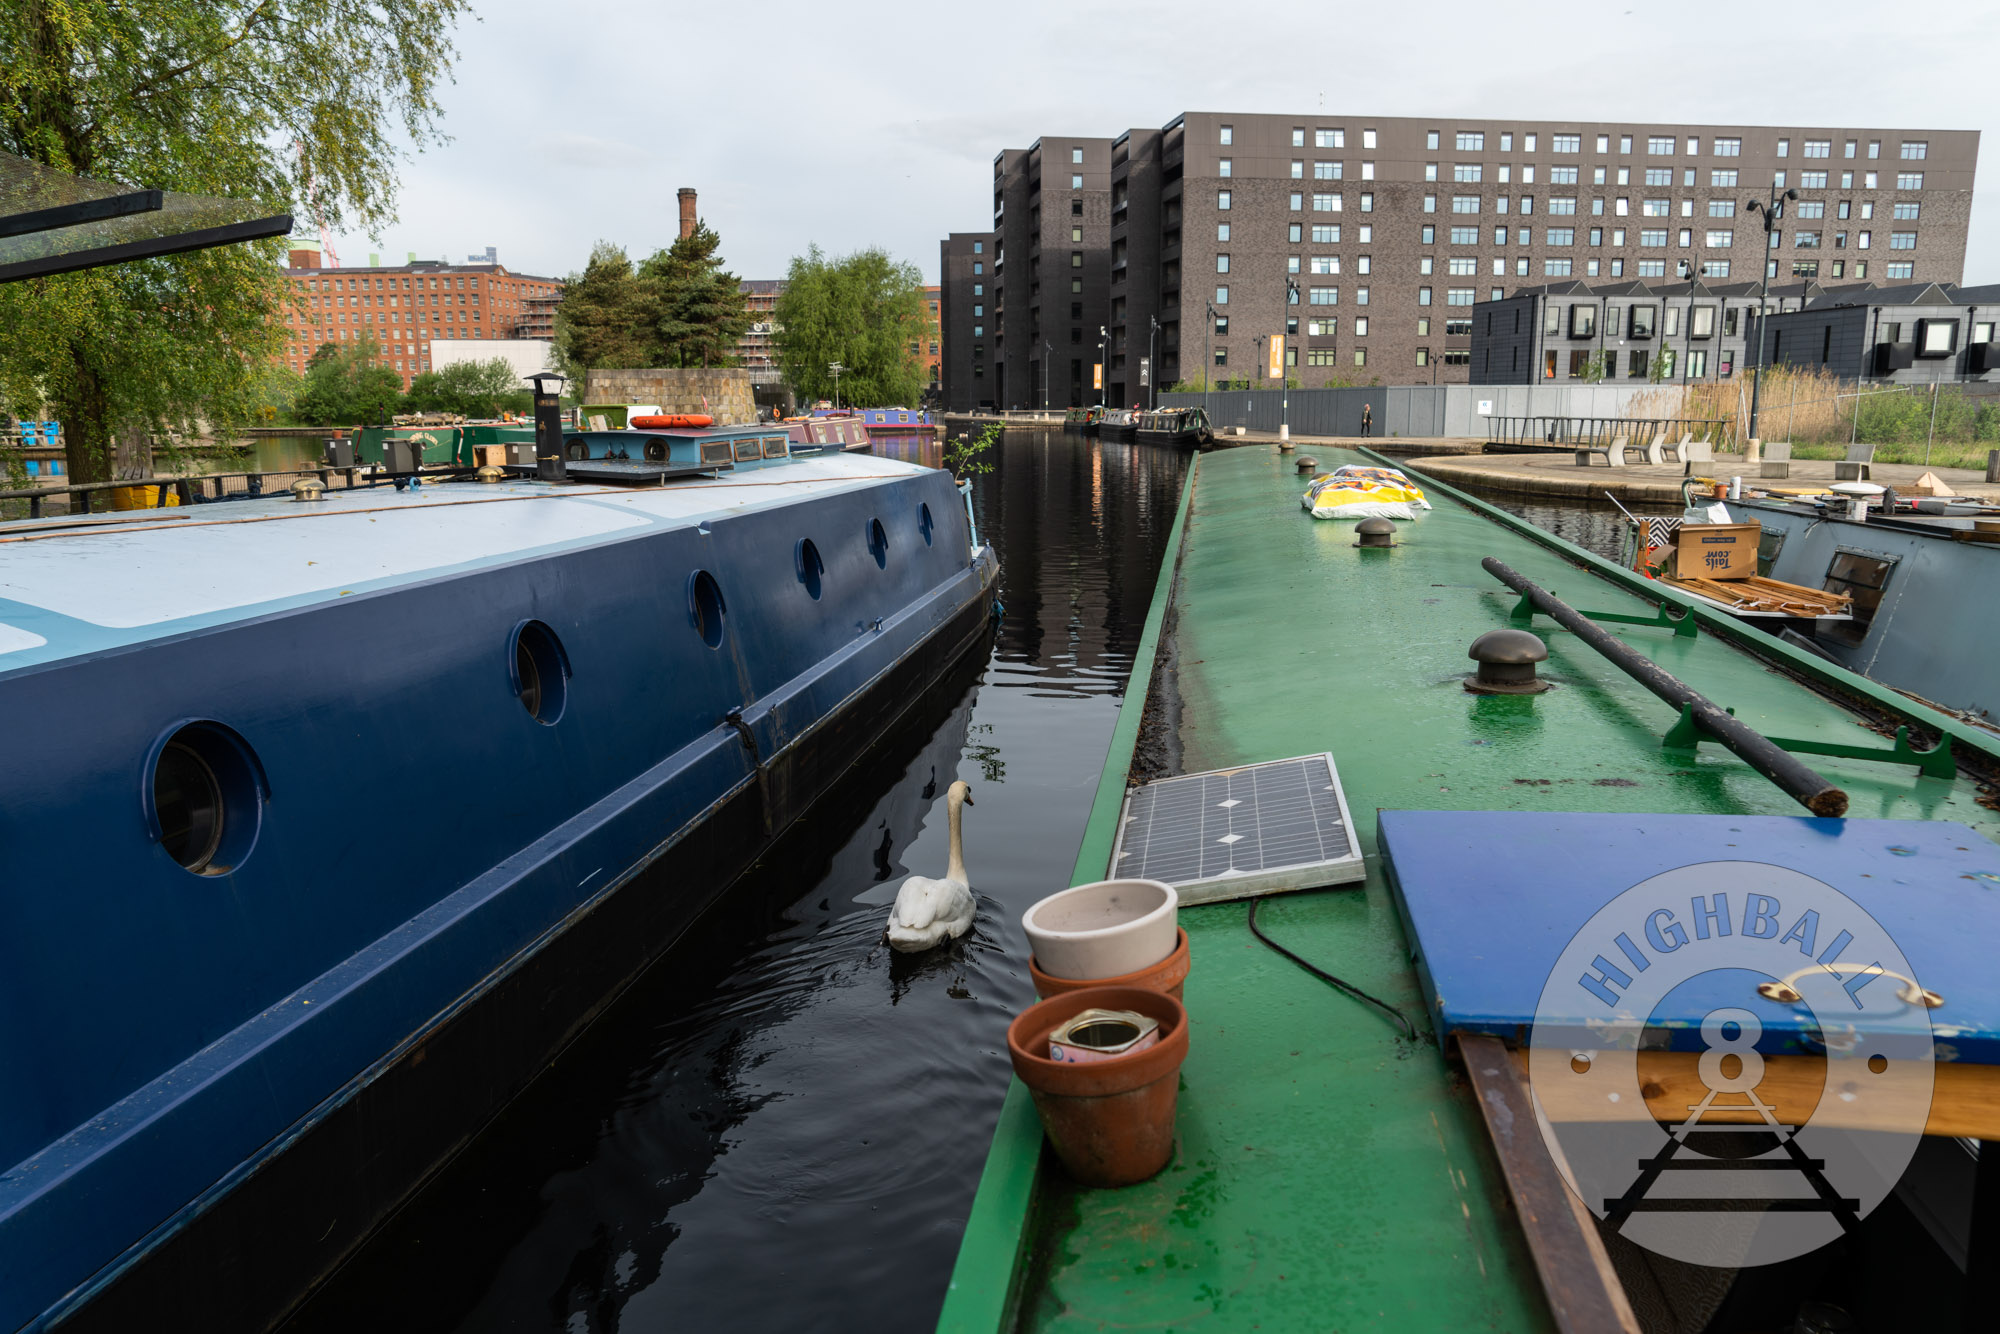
1234	833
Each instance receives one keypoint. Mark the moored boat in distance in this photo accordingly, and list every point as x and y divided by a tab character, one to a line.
1184	428
355	806
1084	421
1119	423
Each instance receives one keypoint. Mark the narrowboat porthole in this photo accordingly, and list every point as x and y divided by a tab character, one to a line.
705	607
578	450
878	543
189	801
810	566
540	671
924	523
204	798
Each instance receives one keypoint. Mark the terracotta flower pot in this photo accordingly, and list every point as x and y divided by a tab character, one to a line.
1168	975
1111	1121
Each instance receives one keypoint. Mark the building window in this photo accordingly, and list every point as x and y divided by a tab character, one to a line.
1556	268
1720	240
1915	150
1812	180
1291	264
1298	136
1076	233
1909	180
1816	148
1466	171
1298	169
1367	203
1326	264
1222	199
1293	232
1728	147
1330	139
1458	296
1805	240
1221	326
1466	236
1809	208
1322	328
1222	167
979	331
978	310
1868	181
1326	203
1565	143
1327	171
1659	175
1784	148
1360	326
977	267
1222	263
1298	201
1225	132
1222	356
1721	208
1222	231
1076	182
1471	141
1660	145
1222	296
1653	237
1076	259
1463	266
1652	268
1562	236
1902	240
1903	212
1655	208
1560	205
1805	268
1323	296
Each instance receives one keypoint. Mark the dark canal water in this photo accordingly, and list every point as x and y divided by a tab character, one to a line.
782	1124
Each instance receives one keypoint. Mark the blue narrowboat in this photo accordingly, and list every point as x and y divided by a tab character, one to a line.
329	819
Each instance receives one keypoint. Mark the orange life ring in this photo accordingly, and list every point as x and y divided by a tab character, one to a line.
667	420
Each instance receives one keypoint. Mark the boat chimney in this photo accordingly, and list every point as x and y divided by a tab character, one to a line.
550	465
1507	661
687	211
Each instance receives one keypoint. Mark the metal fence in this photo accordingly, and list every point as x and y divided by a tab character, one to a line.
1423	411
1527	432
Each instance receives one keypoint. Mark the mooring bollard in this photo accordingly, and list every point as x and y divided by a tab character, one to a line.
1993	465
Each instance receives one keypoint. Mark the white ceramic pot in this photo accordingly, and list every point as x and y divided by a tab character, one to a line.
1105	929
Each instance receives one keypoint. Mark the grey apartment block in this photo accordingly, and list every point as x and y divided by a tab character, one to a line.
966	319
1393	229
1563	332
1912	334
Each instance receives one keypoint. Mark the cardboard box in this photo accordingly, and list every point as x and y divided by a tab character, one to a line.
1717	550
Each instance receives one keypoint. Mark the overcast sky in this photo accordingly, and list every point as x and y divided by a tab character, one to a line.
858	125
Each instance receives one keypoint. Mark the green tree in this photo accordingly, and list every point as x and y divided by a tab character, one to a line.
602	317
696	308
279	102
347	385
471	388
862	311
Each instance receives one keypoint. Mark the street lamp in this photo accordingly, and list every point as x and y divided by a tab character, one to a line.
1153	364
1208	366
1774	214
1048	351
836	368
1284	356
1689	271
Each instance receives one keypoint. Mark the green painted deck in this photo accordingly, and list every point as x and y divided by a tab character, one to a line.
1331	1176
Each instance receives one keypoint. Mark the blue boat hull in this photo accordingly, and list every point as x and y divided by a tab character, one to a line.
236	1078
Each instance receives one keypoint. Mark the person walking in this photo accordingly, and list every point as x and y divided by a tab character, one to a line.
1367	419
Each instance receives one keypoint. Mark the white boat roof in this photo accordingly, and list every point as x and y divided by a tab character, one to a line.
87	583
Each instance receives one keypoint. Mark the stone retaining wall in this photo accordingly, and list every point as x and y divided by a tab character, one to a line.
727	392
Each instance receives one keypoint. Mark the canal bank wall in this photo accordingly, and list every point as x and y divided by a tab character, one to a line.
1424	410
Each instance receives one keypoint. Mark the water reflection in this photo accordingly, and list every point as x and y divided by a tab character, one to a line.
782	1124
1595	525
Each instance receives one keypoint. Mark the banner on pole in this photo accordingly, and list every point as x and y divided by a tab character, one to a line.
1277	358
1097	375
1145	370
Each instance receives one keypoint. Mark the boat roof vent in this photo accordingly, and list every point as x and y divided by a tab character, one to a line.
1235	833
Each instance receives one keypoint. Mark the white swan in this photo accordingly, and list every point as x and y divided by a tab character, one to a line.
929	912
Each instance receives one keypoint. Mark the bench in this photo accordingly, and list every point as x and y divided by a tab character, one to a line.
1777	460
1855	467
1614	453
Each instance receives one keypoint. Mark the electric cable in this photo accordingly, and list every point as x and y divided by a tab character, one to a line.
1409	1029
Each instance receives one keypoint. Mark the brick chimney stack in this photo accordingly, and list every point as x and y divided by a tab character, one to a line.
687	211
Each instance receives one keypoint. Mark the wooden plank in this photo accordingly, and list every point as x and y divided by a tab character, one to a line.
1964	1103
1583	1291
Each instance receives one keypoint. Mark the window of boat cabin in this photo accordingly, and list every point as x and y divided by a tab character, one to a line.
1863	578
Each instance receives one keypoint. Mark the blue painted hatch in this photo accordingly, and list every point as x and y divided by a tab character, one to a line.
1490	899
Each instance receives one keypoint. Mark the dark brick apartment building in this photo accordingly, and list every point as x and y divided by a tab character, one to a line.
1364	242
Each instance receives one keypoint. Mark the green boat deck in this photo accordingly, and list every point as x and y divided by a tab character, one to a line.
1330	1174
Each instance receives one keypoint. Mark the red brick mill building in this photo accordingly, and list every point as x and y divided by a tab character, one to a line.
413	304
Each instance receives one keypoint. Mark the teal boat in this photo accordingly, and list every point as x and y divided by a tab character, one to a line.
1332	1172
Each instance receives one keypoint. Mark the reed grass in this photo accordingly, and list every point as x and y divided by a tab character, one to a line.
1821	414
